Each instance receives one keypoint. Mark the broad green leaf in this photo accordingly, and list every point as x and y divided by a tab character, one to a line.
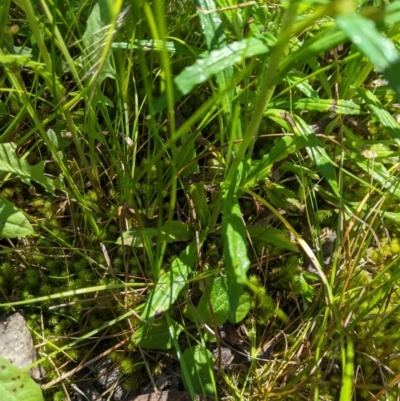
234	240
385	118
136	237
200	368
219	300
217	61
346	107
11	163
16	385
173	231
303	288
170	284
95	40
316	152
380	50
156	335
245	303
273	236
13	222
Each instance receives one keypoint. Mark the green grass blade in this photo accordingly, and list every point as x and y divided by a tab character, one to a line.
346	107
348	371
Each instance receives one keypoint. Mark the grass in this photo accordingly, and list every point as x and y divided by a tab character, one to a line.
169	167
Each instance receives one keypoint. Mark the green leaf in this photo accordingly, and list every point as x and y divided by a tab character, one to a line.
217	61
282	149
299	170
378	172
317	45
136	237
245	303
10	163
346	107
16	385
157	335
380	50
219	300
274	236
3	109
213	30
385	118
95	39
316	152
199	364
234	240
174	231
13	222
170	284
182	49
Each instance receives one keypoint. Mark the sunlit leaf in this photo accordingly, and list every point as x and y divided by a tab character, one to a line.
13	222
11	163
217	61
273	236
385	118
156	335
174	231
380	50
16	385
316	152
170	284
95	39
199	364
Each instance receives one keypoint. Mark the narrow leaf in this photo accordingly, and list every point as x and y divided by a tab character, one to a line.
316	152
273	236
234	240
282	149
385	118
217	61
346	107
380	50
